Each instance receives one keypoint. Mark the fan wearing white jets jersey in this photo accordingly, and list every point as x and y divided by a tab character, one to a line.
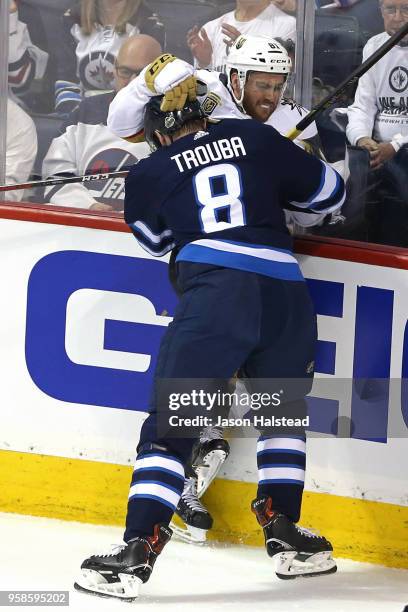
94	30
378	122
86	145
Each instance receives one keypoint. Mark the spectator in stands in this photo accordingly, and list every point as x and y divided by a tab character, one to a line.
27	63
367	12
338	3
378	122
287	6
95	30
21	148
209	45
87	146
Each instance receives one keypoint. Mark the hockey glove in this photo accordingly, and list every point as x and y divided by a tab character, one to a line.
174	78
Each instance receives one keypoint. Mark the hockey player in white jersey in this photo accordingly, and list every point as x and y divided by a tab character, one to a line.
253	87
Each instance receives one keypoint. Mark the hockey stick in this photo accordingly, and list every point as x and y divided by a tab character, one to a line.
350	80
66	180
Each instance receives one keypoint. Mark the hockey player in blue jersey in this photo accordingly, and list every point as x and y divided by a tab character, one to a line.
218	192
257	71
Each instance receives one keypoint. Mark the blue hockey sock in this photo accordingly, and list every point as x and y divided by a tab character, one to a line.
155	490
281	472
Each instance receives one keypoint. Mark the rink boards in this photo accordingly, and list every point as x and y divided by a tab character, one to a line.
83	309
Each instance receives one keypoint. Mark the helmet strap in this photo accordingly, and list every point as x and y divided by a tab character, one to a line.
242	78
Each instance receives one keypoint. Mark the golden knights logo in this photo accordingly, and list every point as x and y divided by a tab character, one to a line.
240	42
210	103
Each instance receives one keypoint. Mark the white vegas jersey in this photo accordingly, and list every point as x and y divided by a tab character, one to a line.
380	108
271	23
126	111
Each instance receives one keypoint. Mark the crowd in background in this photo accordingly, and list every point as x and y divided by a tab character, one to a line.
67	59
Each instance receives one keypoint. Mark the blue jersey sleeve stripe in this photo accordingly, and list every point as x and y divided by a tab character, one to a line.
335	200
64	95
61	85
157	253
329	183
147	233
157	250
329	196
316	194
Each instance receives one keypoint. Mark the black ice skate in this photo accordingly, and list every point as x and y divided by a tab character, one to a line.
121	572
298	552
208	456
192	520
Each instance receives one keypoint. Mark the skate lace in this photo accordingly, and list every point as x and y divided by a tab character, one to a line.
189	495
211	433
309	533
114	550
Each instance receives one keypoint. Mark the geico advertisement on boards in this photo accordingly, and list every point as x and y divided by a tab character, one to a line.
85	310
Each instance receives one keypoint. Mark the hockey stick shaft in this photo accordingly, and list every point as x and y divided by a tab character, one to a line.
87	178
350	80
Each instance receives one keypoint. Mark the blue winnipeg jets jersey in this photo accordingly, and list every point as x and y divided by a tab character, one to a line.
219	196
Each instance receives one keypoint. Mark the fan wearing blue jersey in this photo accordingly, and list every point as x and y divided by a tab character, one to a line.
211	190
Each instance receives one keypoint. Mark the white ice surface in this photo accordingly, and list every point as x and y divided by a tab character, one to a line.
38	553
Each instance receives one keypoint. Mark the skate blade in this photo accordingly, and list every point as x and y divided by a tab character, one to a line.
187	533
126	589
207	471
289	566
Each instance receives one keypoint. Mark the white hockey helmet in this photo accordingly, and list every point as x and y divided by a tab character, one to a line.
249	53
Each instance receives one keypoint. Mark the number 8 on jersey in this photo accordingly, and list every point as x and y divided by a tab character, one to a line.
219	188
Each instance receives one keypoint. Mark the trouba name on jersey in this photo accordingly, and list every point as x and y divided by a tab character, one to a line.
225	148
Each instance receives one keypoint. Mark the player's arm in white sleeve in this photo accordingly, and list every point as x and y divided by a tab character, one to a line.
166	74
60	160
362	113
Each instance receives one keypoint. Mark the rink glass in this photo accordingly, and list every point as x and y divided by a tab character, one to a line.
328	47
